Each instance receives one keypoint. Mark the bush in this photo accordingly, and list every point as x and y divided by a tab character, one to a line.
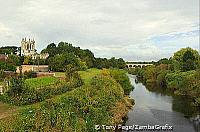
184	83
30	74
161	81
2	75
6	66
16	86
72	76
121	77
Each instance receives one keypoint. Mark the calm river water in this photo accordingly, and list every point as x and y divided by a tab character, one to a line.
156	107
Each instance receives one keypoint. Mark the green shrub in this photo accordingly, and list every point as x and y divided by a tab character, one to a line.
161	81
2	75
16	86
30	74
184	83
7	67
121	77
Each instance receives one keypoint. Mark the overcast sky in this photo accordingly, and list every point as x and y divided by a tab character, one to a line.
136	30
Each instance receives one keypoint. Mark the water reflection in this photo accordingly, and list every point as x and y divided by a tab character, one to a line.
159	106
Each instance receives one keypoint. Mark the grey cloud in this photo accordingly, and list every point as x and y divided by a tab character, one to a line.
120	28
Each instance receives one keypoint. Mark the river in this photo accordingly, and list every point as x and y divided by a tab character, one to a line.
153	107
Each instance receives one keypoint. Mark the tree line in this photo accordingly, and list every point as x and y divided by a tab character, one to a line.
60	56
65	53
180	74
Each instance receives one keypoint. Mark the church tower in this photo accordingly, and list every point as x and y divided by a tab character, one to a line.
28	47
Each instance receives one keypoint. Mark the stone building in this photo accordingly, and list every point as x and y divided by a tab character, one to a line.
28	47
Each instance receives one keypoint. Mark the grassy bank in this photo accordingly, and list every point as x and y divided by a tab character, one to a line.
89	74
100	101
41	82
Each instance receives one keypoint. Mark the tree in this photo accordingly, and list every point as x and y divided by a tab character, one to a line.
150	74
188	61
164	61
7	67
113	63
14	60
185	59
51	50
121	63
28	60
59	62
9	50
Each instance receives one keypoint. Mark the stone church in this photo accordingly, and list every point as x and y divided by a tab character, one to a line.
28	49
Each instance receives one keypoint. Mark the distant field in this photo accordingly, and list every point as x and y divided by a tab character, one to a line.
89	74
41	82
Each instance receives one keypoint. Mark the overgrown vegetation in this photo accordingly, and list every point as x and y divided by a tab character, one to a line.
180	74
85	95
23	92
7	67
121	77
96	102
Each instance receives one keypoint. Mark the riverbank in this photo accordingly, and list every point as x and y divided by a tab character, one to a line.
121	110
186	84
158	107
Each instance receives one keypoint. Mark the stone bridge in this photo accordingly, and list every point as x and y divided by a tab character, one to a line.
134	65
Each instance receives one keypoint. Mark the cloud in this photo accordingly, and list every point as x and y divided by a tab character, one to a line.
132	29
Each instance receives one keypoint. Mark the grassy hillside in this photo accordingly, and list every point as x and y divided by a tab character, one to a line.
96	102
89	74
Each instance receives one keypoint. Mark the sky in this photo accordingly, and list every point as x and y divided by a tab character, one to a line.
136	30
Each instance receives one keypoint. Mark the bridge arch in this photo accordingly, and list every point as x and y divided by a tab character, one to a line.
134	65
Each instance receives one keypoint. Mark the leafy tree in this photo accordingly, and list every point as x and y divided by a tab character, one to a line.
28	60
85	56
185	59
150	74
113	62
9	50
59	62
14	60
7	67
109	63
164	61
51	50
121	63
188	61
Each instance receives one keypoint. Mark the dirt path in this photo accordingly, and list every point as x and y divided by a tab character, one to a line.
6	110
